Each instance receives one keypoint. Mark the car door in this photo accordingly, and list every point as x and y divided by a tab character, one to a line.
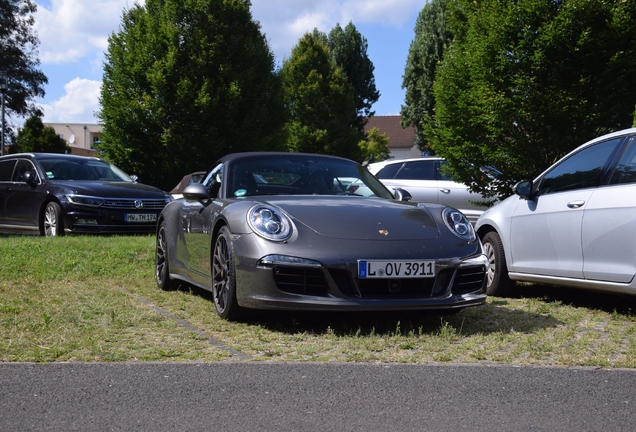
545	236
195	223
609	225
6	171
419	178
22	198
458	195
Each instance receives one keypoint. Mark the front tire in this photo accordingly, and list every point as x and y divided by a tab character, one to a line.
498	282
224	277
52	220
162	271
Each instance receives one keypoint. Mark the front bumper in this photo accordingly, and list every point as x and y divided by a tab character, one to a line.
332	284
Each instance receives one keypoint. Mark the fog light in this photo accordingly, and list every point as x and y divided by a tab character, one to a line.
86	222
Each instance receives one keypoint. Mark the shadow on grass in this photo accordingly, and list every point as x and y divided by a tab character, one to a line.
606	302
493	317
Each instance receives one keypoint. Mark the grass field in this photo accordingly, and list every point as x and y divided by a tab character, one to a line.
95	299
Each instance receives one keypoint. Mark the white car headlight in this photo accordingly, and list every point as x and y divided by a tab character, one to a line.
458	224
269	223
84	200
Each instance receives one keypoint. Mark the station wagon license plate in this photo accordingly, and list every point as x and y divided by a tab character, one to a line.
373	269
140	217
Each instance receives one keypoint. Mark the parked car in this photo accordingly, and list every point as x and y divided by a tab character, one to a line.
574	225
195	177
53	194
422	178
279	231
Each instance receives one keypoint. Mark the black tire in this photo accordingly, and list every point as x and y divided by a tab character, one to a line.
52	220
224	277
498	283
162	271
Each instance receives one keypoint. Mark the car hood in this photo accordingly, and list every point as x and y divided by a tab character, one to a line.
110	189
358	218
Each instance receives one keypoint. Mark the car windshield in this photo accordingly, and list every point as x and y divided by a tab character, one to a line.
76	169
302	175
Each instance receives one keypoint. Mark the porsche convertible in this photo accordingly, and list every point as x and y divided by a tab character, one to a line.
294	231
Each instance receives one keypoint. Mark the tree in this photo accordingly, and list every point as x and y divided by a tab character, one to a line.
525	82
375	147
35	137
185	82
319	100
425	53
348	49
18	55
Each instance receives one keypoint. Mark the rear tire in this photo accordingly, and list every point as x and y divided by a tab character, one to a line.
224	277
52	220
162	270
498	282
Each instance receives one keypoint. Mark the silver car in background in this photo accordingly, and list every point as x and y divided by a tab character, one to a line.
421	177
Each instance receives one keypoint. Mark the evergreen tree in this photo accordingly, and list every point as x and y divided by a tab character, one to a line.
185	82
320	101
35	137
425	53
18	56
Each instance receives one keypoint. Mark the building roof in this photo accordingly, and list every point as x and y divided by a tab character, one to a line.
390	125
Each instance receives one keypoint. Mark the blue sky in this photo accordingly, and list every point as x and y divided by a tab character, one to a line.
73	38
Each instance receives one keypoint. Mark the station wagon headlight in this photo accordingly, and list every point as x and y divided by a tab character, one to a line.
84	200
269	223
459	225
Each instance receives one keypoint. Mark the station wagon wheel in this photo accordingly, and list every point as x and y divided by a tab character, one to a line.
52	222
162	271
224	277
498	282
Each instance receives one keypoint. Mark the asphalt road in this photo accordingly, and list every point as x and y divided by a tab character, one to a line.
313	397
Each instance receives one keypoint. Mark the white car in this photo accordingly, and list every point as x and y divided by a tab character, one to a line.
574	225
421	177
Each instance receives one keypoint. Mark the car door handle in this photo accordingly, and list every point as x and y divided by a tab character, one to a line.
446	191
576	204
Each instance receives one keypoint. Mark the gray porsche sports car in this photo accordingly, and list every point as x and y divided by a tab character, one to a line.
313	232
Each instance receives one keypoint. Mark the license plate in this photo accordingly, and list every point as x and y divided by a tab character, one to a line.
373	269
140	217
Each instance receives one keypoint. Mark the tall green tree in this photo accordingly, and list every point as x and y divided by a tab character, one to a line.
425	53
18	56
319	100
524	82
186	81
375	147
348	49
35	137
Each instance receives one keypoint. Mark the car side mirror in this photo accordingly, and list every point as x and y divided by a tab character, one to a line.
401	194
28	177
134	178
524	189
197	192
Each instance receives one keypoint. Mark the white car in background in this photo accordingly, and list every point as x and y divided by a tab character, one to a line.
421	177
574	225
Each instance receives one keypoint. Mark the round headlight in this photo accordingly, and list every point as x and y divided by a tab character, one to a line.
269	223
459	225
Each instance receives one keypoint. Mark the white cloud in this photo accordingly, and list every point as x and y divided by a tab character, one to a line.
70	30
77	105
285	21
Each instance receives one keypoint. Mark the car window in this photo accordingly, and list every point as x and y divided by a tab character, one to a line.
301	175
625	171
212	181
418	170
21	167
389	171
581	170
6	169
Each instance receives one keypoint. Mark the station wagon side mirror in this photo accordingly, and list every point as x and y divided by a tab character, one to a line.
134	178
28	177
401	194
524	189
197	192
